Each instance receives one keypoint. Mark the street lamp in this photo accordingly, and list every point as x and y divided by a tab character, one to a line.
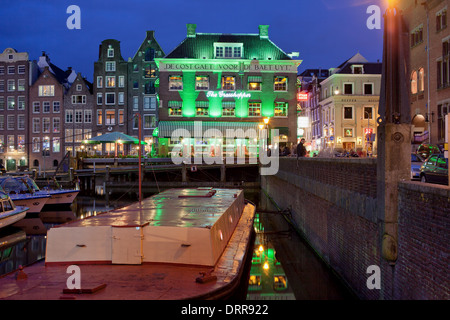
366	113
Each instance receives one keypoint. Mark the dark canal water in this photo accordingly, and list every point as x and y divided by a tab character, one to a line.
283	266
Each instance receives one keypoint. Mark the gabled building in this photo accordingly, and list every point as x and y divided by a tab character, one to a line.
349	102
110	93
17	73
143	84
226	82
46	117
79	114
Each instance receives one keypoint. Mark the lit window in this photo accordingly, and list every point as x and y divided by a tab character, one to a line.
254	109
228	83
280	84
175	83
414	82
99	117
254	83
228	108
110	117
175	108
46	91
281	109
348	132
202	108
202	83
110	82
45	125
421	80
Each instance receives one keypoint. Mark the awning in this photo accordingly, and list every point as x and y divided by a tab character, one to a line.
166	128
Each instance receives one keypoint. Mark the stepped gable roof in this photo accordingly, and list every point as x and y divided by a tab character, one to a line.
202	47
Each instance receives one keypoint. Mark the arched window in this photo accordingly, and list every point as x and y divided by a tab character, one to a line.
421	80
36	163
414	82
55	163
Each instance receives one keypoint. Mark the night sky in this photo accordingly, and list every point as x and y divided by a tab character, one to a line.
324	32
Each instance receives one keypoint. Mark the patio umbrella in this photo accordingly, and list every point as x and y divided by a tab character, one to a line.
114	137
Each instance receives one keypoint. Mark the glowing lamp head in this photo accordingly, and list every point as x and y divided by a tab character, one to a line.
266	120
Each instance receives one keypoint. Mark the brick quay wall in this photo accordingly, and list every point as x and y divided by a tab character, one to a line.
333	204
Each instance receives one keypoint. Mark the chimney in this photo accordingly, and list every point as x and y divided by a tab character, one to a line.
191	30
151	34
263	31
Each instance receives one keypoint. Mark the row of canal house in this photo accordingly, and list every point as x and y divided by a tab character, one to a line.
224	81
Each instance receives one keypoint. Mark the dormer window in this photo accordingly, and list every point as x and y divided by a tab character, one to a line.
110	52
357	69
228	50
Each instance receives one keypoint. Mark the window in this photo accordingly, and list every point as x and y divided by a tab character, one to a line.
202	108
2	85
281	109
254	83
228	108
78	99
110	66
36	107
175	108
110	117
2	122
149	71
56	107
46	107
121	98
201	83
11	85
414	82
416	36
421	80
175	83
10	122
110	52
21	103
46	91
135	103
348	113
10	143
121	117
36	144
68	135
2	70
78	116
121	81
368	88
110	98
348	88
99	98
442	110
441	20
36	125
149	121
99	82
110	82
368	113
219	52
254	109
99	117
87	134
21	69
56	147
228	83
358	69
87	116
21	122
21	85
11	103
149	54
11	70
280	84
135	85
228	50
348	132
78	135
56	125
21	143
69	116
79	87
45	125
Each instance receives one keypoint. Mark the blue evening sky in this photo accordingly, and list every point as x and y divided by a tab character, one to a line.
324	32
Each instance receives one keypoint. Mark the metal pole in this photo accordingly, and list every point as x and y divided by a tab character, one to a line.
140	152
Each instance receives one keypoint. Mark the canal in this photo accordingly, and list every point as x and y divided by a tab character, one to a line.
283	266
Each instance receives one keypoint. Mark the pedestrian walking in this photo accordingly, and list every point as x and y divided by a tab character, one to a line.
301	150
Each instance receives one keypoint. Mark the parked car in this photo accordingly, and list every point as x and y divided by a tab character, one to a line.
416	164
435	169
425	150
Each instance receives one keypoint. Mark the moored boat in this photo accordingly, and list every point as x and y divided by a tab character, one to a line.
179	244
9	212
21	195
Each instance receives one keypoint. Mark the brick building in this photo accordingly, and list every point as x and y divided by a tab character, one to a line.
226	81
78	113
17	73
143	78
46	98
110	93
427	25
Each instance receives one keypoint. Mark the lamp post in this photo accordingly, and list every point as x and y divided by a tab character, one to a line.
366	113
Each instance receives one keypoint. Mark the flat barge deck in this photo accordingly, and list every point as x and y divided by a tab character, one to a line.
180	244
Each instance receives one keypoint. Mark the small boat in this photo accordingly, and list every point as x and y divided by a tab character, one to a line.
181	244
9	212
22	195
57	196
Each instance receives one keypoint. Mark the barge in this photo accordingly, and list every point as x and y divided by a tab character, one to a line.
179	244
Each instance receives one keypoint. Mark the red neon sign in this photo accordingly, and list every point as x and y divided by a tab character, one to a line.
302	96
368	131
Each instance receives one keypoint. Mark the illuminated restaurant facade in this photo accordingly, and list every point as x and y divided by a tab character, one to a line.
226	82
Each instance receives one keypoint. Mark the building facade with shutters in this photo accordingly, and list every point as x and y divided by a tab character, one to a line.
226	82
